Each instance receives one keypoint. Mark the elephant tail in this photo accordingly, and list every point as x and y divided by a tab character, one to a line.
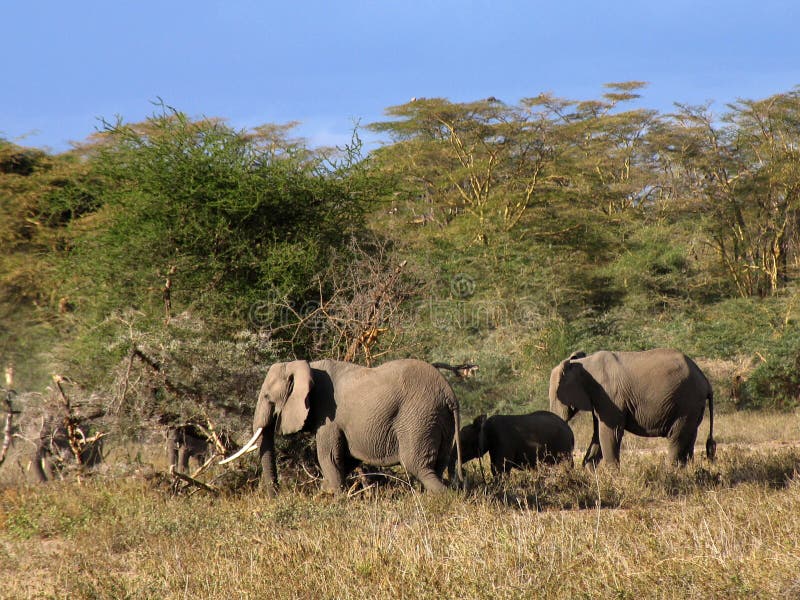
711	445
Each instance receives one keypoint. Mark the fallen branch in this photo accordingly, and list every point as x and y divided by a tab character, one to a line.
192	481
212	436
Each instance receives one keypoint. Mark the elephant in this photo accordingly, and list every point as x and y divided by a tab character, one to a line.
653	393
401	412
518	441
188	441
55	454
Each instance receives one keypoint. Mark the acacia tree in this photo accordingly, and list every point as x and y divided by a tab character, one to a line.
41	196
484	158
195	216
494	161
744	173
614	153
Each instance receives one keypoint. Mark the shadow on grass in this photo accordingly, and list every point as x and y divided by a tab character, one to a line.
641	480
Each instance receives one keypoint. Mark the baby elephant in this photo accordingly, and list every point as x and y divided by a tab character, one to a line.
518	441
192	441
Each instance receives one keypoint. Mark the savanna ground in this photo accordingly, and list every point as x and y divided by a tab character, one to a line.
156	268
728	529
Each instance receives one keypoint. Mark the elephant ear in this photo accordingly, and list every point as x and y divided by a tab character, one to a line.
573	386
294	410
577	355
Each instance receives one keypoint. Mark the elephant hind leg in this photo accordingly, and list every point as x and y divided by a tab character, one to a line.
429	479
424	469
443	462
682	437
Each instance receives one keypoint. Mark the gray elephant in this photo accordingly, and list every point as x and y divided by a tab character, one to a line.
191	441
401	412
518	441
56	454
655	393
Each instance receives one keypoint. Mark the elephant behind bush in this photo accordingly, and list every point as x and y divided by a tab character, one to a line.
191	441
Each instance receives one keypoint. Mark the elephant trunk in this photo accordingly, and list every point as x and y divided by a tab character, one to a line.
262	421
562	410
269	471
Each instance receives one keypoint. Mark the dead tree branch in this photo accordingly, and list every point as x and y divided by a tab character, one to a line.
358	312
464	371
75	436
10	412
192	481
173	386
370	327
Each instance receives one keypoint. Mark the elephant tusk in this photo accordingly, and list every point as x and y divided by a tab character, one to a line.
250	445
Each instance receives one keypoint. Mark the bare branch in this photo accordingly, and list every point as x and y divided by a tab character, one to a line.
464	371
192	481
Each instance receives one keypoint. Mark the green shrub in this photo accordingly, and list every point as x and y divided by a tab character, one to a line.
776	382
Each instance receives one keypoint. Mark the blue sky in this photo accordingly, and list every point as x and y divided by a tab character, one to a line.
331	63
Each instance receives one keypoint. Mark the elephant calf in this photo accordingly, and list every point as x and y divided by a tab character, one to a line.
518	441
190	441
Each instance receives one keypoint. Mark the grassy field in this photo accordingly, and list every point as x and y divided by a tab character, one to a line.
728	529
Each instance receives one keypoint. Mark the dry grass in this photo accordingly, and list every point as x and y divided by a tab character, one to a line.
724	530
731	428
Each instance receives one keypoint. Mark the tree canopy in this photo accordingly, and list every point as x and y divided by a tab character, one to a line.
509	232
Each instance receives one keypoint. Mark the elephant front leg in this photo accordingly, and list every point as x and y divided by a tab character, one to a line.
610	442
499	463
333	456
183	459
594	454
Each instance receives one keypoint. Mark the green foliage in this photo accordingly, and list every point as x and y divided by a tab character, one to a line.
38	196
180	214
227	215
654	269
526	231
775	383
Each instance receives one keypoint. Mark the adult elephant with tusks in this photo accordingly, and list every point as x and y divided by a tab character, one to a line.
655	393
401	412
